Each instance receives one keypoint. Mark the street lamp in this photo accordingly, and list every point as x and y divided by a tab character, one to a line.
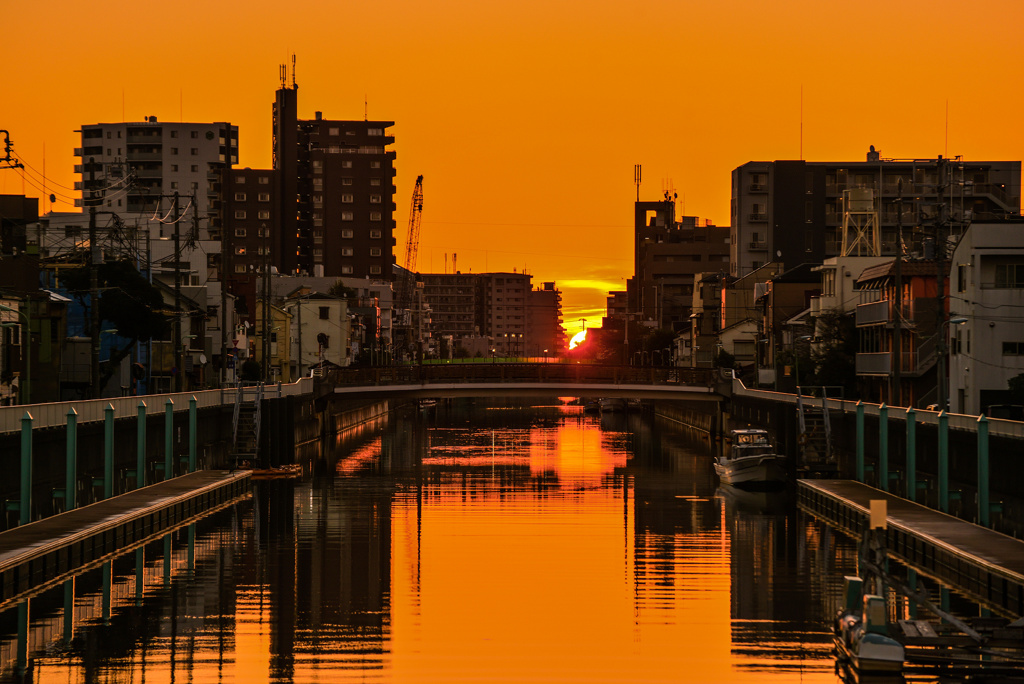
24	389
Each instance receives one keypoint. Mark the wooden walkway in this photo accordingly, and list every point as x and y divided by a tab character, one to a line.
40	551
987	565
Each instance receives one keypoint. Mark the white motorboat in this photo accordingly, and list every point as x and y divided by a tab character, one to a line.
751	460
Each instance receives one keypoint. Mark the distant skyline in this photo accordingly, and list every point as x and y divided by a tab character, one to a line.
526	118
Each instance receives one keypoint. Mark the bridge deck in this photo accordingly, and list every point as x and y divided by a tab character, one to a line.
34	553
983	562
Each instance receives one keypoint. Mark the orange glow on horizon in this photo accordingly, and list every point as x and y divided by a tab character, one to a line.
577	339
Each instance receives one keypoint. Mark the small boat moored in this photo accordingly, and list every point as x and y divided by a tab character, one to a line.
751	460
861	635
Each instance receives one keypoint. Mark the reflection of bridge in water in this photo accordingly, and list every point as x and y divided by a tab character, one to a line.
528	379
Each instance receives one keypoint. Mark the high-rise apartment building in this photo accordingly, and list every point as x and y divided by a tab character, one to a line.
792	211
336	183
164	157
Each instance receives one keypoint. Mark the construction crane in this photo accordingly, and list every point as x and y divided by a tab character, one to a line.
407	285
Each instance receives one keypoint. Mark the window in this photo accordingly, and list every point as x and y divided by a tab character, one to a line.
374	199
195	134
240	180
333	131
1009	275
174	150
195	168
317	165
375	216
346	216
1013	348
375	181
346	233
239	232
174	185
318	252
375	251
174	134
195	151
240	268
347	164
375	131
174	167
347	199
108	153
240	251
264	214
264	197
346	251
374	233
108	135
325	313
264	180
375	165
346	270
346	181
239	196
375	269
350	132
239	213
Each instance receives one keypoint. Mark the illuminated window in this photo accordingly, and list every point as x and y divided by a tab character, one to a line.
346	233
264	197
239	232
239	196
239	213
374	199
346	216
375	251
375	165
347	199
333	131
347	270
347	251
374	233
375	269
375	216
264	214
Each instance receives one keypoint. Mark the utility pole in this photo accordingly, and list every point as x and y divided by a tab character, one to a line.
176	328
94	288
895	395
940	286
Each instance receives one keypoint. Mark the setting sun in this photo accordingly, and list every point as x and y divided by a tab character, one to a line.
577	339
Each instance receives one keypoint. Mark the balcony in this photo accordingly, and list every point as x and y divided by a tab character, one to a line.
758	187
759	217
878	363
758	244
78	151
872	313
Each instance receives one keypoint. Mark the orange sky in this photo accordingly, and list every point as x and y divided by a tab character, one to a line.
526	118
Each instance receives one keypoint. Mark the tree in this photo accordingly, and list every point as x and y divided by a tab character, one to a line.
340	290
252	371
128	302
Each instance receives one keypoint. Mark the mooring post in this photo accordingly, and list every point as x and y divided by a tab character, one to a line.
140	446
860	441
943	462
69	610
21	658
192	411
883	447
983	506
168	438
108	451
71	462
911	454
140	575
108	585
25	505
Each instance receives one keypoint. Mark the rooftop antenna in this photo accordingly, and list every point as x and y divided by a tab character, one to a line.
801	121
945	149
293	70
636	180
366	107
282	72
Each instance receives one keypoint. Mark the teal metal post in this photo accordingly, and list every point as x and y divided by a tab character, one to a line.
983	480
192	427
911	454
860	441
140	447
883	447
108	451
140	575
69	610
943	462
108	584
168	439
25	505
71	462
21	656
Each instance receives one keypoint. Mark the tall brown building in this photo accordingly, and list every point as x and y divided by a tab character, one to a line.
335	180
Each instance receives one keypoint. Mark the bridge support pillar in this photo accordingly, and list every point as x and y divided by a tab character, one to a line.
911	454
71	462
883	448
192	427
108	451
168	439
25	504
140	446
943	462
984	509
860	442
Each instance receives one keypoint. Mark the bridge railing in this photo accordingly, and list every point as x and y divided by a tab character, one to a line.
523	372
55	414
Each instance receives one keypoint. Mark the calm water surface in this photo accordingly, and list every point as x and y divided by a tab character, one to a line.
466	543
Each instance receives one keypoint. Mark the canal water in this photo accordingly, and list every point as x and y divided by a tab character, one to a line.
473	541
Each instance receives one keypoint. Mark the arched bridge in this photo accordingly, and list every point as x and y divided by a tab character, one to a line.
529	379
